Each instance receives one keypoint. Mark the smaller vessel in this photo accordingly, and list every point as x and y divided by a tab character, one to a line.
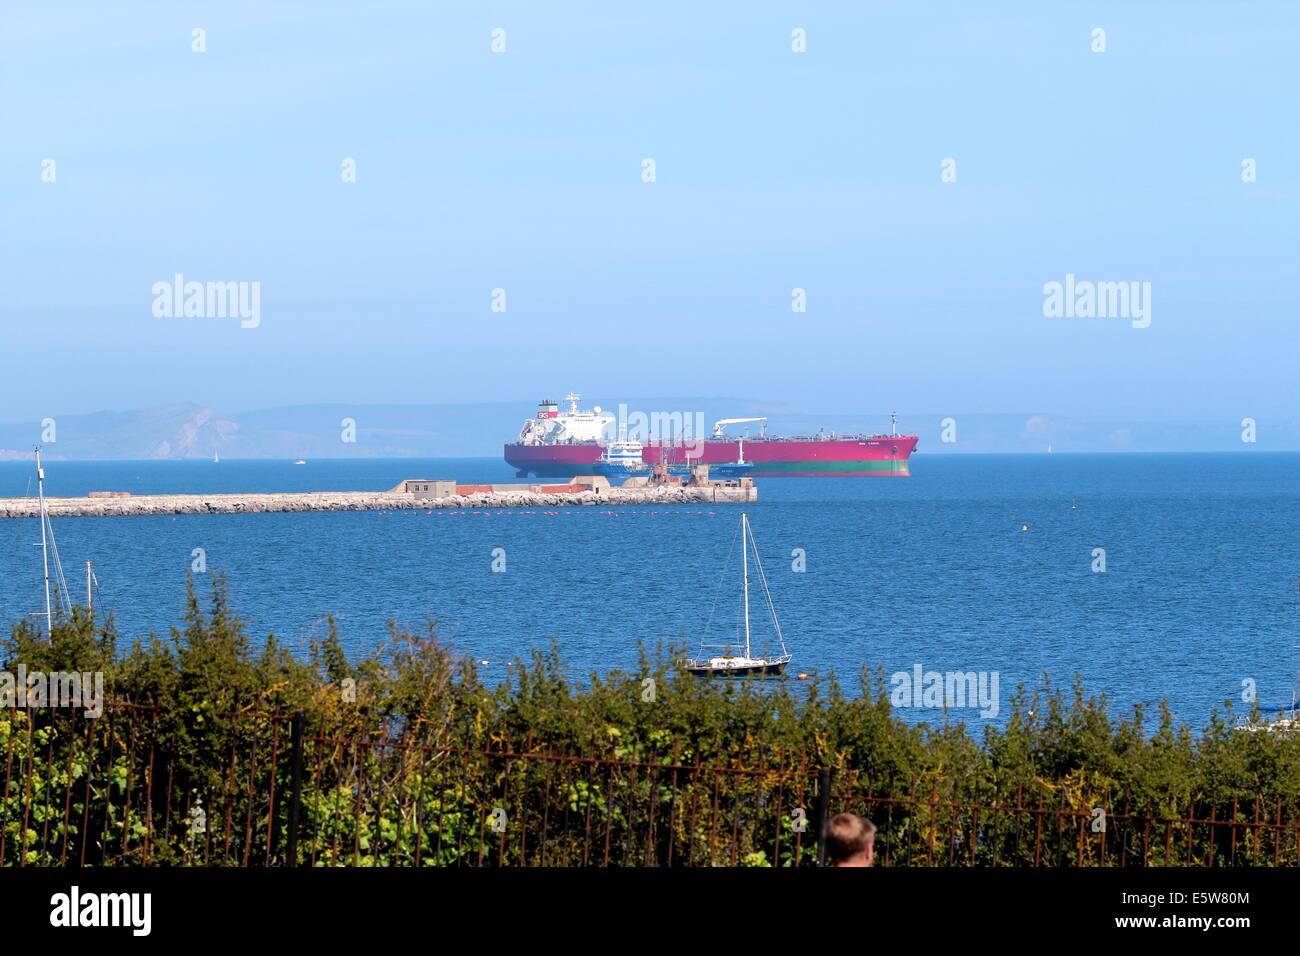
1287	719
216	458
728	664
622	458
300	462
735	469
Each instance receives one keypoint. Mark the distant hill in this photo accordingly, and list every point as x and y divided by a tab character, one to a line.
431	431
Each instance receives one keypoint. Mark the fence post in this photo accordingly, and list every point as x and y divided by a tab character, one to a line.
295	796
823	806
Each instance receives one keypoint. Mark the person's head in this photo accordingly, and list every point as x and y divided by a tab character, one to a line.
850	840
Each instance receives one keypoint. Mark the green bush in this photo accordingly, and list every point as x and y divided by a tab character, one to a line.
408	757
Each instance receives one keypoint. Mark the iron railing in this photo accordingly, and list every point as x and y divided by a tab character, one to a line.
140	786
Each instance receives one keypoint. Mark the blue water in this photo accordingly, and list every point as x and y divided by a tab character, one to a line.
1202	553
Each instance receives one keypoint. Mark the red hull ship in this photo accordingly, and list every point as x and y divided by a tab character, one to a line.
555	445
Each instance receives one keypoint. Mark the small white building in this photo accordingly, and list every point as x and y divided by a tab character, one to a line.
426	488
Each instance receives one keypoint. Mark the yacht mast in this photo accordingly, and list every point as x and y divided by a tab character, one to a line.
744	551
45	551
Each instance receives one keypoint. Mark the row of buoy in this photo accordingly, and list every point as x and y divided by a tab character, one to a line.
569	514
516	511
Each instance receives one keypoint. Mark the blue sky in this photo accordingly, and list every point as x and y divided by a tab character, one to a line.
775	170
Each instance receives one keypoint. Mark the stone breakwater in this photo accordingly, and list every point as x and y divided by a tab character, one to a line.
225	504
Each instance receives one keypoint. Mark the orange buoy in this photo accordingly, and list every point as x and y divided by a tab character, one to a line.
803	676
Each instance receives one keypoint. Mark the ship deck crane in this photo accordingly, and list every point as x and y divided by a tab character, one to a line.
720	425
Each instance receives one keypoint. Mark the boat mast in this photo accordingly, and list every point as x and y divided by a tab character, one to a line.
1295	686
45	551
744	551
90	598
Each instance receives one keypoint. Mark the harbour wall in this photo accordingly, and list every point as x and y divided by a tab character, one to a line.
118	506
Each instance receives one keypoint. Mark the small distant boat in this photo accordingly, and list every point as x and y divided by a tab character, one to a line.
728	664
216	458
1287	719
300	462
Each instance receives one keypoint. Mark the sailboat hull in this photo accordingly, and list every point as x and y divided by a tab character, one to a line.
748	669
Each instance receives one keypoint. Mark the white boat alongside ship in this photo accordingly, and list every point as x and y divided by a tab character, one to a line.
622	458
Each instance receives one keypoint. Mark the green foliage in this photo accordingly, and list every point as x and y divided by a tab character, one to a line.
409	758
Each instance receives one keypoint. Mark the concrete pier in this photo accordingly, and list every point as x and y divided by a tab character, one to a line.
101	505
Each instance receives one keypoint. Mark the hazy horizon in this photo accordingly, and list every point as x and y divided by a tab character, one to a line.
922	173
354	430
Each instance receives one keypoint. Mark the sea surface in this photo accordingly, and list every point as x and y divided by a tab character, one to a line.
1199	592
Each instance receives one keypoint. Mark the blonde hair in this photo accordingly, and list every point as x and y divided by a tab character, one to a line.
848	835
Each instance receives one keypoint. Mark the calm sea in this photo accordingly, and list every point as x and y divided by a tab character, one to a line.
1198	594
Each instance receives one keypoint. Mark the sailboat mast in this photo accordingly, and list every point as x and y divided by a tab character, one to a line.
744	551
1295	687
45	551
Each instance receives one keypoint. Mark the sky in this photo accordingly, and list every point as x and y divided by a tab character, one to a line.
774	170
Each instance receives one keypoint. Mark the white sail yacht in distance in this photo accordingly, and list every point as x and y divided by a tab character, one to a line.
741	665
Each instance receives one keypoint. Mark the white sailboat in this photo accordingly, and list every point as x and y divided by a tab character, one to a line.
728	664
1287	720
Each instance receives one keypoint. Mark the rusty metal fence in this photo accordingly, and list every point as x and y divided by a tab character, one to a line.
265	789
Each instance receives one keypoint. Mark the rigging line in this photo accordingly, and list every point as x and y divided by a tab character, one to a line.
65	599
99	594
771	606
717	591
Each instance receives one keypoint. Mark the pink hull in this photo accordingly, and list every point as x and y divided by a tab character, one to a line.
884	455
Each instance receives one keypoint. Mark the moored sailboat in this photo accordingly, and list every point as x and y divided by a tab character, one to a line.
728	664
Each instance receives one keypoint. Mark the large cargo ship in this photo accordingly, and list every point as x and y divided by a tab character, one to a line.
557	444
